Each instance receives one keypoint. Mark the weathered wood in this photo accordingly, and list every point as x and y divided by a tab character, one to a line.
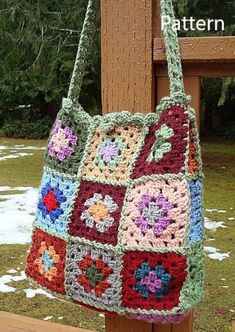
122	324
126	49
200	49
127	81
186	325
15	323
202	69
163	328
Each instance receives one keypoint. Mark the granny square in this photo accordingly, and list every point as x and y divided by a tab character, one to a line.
55	196
96	212
67	139
91	276
111	154
164	149
46	261
152	280
156	214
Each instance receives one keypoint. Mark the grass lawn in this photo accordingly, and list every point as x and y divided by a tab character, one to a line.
217	309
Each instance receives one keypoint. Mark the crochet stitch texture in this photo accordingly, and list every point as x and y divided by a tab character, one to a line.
119	225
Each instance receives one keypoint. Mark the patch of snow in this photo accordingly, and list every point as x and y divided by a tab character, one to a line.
210	249
13	156
61	317
213	225
47	317
231	218
219	256
216	210
215	254
16	215
30	293
224	286
24	147
12	271
7	188
210	239
223	279
8	278
101	315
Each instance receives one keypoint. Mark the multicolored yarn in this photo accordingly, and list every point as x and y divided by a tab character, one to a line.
62	141
96	216
119	225
46	261
55	197
156	214
91	275
133	238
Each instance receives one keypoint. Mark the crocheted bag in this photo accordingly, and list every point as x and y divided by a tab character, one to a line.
119	223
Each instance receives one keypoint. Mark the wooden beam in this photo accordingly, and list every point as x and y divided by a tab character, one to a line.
123	324
199	49
126	49
14	323
202	70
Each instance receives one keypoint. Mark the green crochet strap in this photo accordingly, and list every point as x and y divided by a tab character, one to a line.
85	42
172	49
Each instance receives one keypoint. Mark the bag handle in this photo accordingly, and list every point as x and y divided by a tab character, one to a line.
85	43
170	40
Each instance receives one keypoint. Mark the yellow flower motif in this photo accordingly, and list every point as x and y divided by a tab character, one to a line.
98	211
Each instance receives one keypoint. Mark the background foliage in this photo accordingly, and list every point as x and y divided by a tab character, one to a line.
38	43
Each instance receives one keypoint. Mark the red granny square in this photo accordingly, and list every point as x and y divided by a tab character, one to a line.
152	280
173	144
97	212
46	261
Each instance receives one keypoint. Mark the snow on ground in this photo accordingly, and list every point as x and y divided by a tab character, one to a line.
16	155
14	151
33	292
213	225
5	279
21	147
8	278
25	147
47	317
17	214
216	210
214	253
12	271
7	188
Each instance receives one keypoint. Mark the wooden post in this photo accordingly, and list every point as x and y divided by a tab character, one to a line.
127	81
128	29
127	56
